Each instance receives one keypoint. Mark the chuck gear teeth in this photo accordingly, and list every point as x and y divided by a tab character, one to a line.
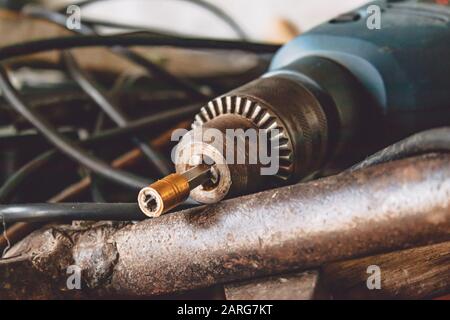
261	117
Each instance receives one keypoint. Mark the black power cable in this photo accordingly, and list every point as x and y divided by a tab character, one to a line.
129	39
60	19
42	212
110	107
15	181
65	97
161	73
62	143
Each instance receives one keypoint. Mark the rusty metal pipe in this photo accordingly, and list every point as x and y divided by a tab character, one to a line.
386	207
378	209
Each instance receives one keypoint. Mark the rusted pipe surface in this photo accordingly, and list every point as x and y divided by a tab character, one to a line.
386	207
383	208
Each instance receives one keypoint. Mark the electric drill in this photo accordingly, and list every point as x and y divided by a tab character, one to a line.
346	82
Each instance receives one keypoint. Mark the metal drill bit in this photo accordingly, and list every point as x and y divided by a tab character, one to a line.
171	191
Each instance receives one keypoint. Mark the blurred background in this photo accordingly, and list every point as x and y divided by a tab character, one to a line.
260	19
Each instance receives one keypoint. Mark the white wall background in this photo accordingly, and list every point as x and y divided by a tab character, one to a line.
257	17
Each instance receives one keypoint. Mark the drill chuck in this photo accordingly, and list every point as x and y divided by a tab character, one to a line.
269	103
289	102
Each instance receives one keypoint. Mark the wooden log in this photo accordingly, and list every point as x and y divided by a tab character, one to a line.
417	273
295	286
